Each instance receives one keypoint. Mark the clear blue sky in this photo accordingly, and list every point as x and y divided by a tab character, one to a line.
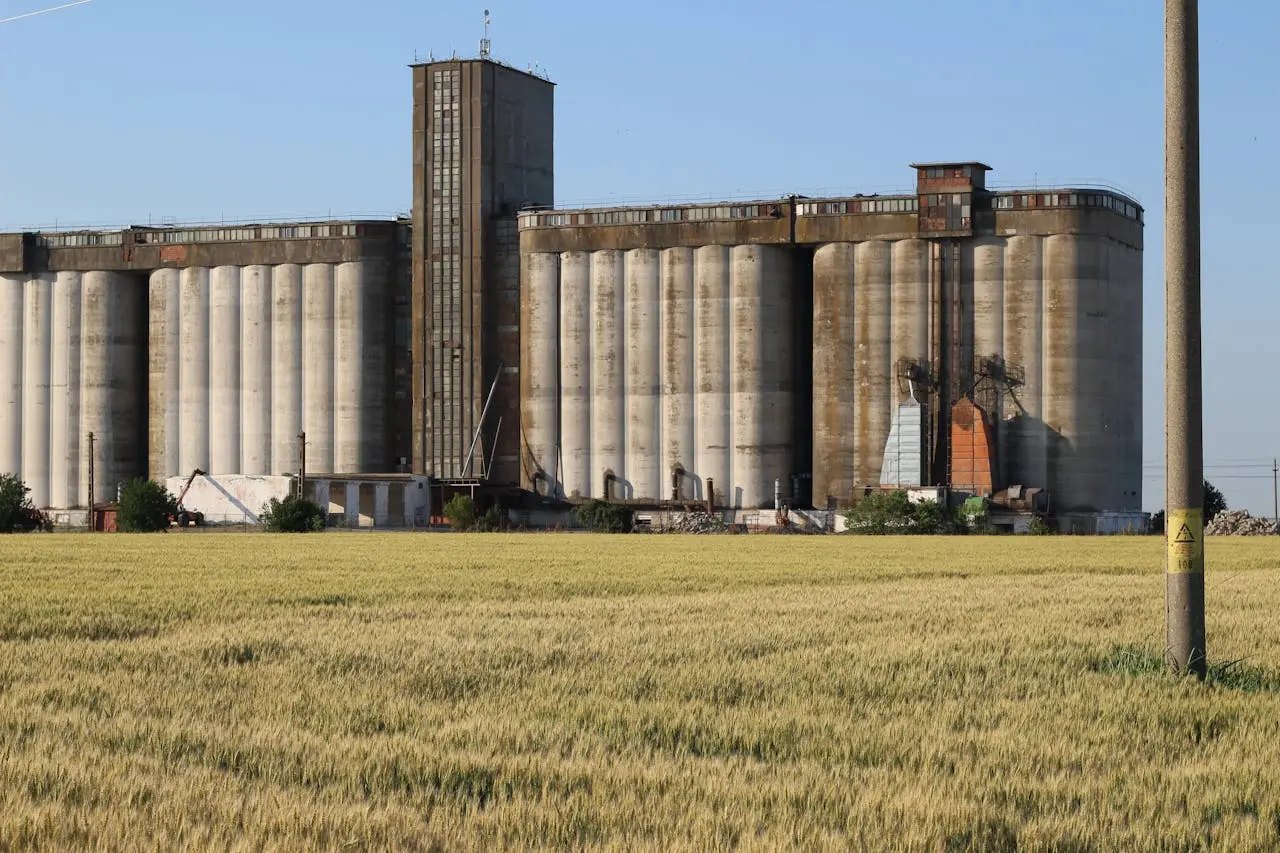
124	110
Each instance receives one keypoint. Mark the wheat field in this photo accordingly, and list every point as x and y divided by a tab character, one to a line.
480	692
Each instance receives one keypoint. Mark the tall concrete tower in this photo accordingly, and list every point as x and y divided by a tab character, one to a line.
483	148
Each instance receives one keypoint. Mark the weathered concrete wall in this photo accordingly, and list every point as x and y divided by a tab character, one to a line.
849	228
242	359
144	250
1049	341
483	147
500	440
581	231
230	497
641	362
870	323
72	362
657	235
1044	223
12	254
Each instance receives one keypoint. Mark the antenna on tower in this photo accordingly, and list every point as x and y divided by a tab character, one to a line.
484	42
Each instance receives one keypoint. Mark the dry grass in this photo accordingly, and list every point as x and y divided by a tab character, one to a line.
355	691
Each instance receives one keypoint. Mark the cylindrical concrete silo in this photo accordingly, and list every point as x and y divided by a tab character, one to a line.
193	371
909	343
65	440
348	365
712	360
1062	308
11	332
1026	440
112	384
317	370
988	298
373	446
1126	282
36	374
286	366
834	425
760	374
540	365
678	411
164	358
224	370
644	376
95	382
255	370
128	375
608	356
988	336
872	312
909	350
746	375
1096	373
576	374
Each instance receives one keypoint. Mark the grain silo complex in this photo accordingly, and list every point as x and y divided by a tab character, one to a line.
959	338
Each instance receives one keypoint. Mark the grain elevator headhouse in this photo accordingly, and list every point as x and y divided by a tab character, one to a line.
483	149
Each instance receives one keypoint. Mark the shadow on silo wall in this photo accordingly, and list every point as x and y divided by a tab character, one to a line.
1038	454
802	373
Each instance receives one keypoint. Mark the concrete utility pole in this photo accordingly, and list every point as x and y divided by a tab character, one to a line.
89	503
1275	491
1183	406
302	464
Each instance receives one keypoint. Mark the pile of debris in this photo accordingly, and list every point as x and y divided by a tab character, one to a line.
794	530
697	522
1238	522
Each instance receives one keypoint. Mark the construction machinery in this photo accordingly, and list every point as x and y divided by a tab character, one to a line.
184	517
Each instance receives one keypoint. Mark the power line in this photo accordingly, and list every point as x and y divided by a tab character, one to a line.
43	11
1266	476
1258	463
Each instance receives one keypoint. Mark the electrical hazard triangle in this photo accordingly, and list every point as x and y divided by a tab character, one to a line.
1185	535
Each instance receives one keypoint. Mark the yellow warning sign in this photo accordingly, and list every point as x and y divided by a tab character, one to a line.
1184	529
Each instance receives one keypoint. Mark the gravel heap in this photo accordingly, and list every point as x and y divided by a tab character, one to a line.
697	522
1238	522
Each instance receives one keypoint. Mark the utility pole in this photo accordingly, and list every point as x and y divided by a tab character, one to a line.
1183	405
90	495
1275	491
302	464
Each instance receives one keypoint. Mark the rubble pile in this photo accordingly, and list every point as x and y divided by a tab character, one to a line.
1238	522
697	522
794	530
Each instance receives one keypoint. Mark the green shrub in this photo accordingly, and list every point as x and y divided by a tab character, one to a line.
294	514
1039	527
145	507
17	513
881	513
490	522
461	512
1214	502
605	517
931	517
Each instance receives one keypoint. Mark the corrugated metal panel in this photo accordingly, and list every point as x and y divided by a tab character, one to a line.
903	463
